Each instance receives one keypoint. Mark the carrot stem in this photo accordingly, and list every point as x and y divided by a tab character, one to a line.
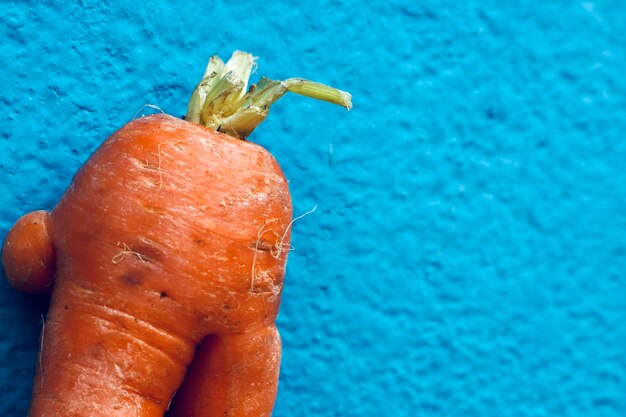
319	91
220	100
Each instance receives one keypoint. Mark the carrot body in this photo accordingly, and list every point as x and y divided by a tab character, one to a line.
169	234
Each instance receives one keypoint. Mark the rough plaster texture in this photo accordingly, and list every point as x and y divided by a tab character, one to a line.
468	253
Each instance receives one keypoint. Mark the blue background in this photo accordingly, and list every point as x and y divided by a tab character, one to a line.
468	253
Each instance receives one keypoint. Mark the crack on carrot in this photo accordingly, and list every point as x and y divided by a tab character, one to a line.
257	249
152	208
179	145
151	182
115	315
148	397
261	245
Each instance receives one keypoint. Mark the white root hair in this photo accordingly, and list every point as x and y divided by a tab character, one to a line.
280	244
275	251
126	250
152	106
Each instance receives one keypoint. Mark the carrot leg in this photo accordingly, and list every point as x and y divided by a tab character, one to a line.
234	375
100	361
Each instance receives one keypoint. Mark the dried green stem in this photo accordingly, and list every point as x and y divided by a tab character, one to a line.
221	101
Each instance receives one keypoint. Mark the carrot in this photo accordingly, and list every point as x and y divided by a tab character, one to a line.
168	253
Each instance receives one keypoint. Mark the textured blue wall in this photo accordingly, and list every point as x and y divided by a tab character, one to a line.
468	253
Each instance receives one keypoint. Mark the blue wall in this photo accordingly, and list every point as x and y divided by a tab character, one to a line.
468	253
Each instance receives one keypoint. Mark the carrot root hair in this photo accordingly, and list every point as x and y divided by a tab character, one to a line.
126	250
276	250
152	106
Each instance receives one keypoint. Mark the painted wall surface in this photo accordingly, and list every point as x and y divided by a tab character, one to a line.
468	252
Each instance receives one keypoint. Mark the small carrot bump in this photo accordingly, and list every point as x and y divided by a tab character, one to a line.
28	254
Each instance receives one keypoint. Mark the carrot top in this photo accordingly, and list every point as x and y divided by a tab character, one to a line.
220	100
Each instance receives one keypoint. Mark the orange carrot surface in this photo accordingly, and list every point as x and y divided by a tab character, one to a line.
165	258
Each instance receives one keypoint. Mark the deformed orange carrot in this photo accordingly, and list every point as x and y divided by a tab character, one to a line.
168	253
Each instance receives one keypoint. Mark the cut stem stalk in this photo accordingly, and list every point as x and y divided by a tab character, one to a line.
220	100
